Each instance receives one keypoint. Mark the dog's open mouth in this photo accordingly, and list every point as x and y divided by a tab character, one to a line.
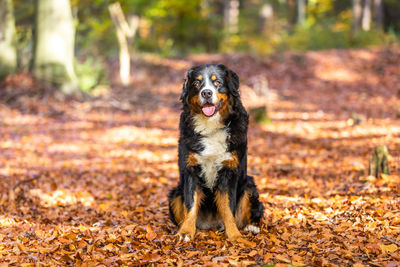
210	109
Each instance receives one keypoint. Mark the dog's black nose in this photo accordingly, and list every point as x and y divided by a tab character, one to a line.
206	93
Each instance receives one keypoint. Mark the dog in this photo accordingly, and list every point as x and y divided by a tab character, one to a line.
214	190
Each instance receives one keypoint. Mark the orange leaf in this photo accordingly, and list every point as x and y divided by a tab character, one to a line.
388	248
282	258
253	253
150	235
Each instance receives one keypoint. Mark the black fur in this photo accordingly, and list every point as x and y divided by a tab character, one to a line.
234	181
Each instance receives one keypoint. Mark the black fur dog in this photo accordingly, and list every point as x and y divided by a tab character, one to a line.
214	190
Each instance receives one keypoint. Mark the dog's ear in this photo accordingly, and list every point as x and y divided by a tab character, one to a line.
232	80
185	87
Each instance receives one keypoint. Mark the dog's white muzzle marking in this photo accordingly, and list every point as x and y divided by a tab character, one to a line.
208	86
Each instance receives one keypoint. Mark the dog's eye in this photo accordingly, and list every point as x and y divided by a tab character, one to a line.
217	83
197	84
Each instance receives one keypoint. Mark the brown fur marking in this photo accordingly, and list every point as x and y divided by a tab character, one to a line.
222	201
200	78
194	104
225	106
232	163
243	214
191	159
213	78
188	226
178	209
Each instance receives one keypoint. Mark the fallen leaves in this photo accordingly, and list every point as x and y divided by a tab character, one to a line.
105	173
388	248
150	235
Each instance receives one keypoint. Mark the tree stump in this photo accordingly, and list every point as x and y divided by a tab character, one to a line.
260	114
379	161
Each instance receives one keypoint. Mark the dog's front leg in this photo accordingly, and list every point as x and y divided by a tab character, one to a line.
193	197
225	198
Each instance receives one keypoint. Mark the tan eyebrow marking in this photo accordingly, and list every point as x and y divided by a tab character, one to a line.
213	77
200	78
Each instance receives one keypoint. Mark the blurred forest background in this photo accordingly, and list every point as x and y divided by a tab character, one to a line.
85	170
172	28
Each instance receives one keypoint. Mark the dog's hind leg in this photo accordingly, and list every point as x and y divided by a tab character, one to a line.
243	210
187	229
257	208
243	213
177	209
249	210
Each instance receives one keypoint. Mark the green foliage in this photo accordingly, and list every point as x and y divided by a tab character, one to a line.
186	26
178	27
328	25
260	115
90	74
24	18
175	26
95	30
334	35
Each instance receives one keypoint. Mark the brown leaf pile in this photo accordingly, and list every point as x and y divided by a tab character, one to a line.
86	183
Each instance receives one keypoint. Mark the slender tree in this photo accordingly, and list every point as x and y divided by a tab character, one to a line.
54	44
366	15
291	11
266	17
378	10
356	15
125	34
8	51
231	16
301	11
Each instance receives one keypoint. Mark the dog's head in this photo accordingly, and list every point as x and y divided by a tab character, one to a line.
209	89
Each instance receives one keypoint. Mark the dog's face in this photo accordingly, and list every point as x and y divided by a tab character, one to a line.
209	89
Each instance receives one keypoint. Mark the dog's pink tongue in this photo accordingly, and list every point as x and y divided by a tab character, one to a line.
208	110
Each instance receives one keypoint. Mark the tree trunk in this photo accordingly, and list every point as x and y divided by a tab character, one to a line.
231	16
266	17
125	33
291	11
378	7
301	11
54	44
356	15
260	114
8	51
366	16
378	162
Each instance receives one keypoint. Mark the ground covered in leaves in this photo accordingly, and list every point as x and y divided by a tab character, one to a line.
86	182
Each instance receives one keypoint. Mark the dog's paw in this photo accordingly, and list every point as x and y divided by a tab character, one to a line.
235	238
184	237
233	234
255	230
186	234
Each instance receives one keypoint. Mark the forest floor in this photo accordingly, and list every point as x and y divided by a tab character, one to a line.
86	182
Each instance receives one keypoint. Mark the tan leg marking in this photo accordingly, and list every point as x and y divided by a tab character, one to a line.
232	163
188	226
178	209
231	230
191	159
243	213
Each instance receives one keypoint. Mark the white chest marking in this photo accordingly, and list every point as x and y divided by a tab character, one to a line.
215	147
